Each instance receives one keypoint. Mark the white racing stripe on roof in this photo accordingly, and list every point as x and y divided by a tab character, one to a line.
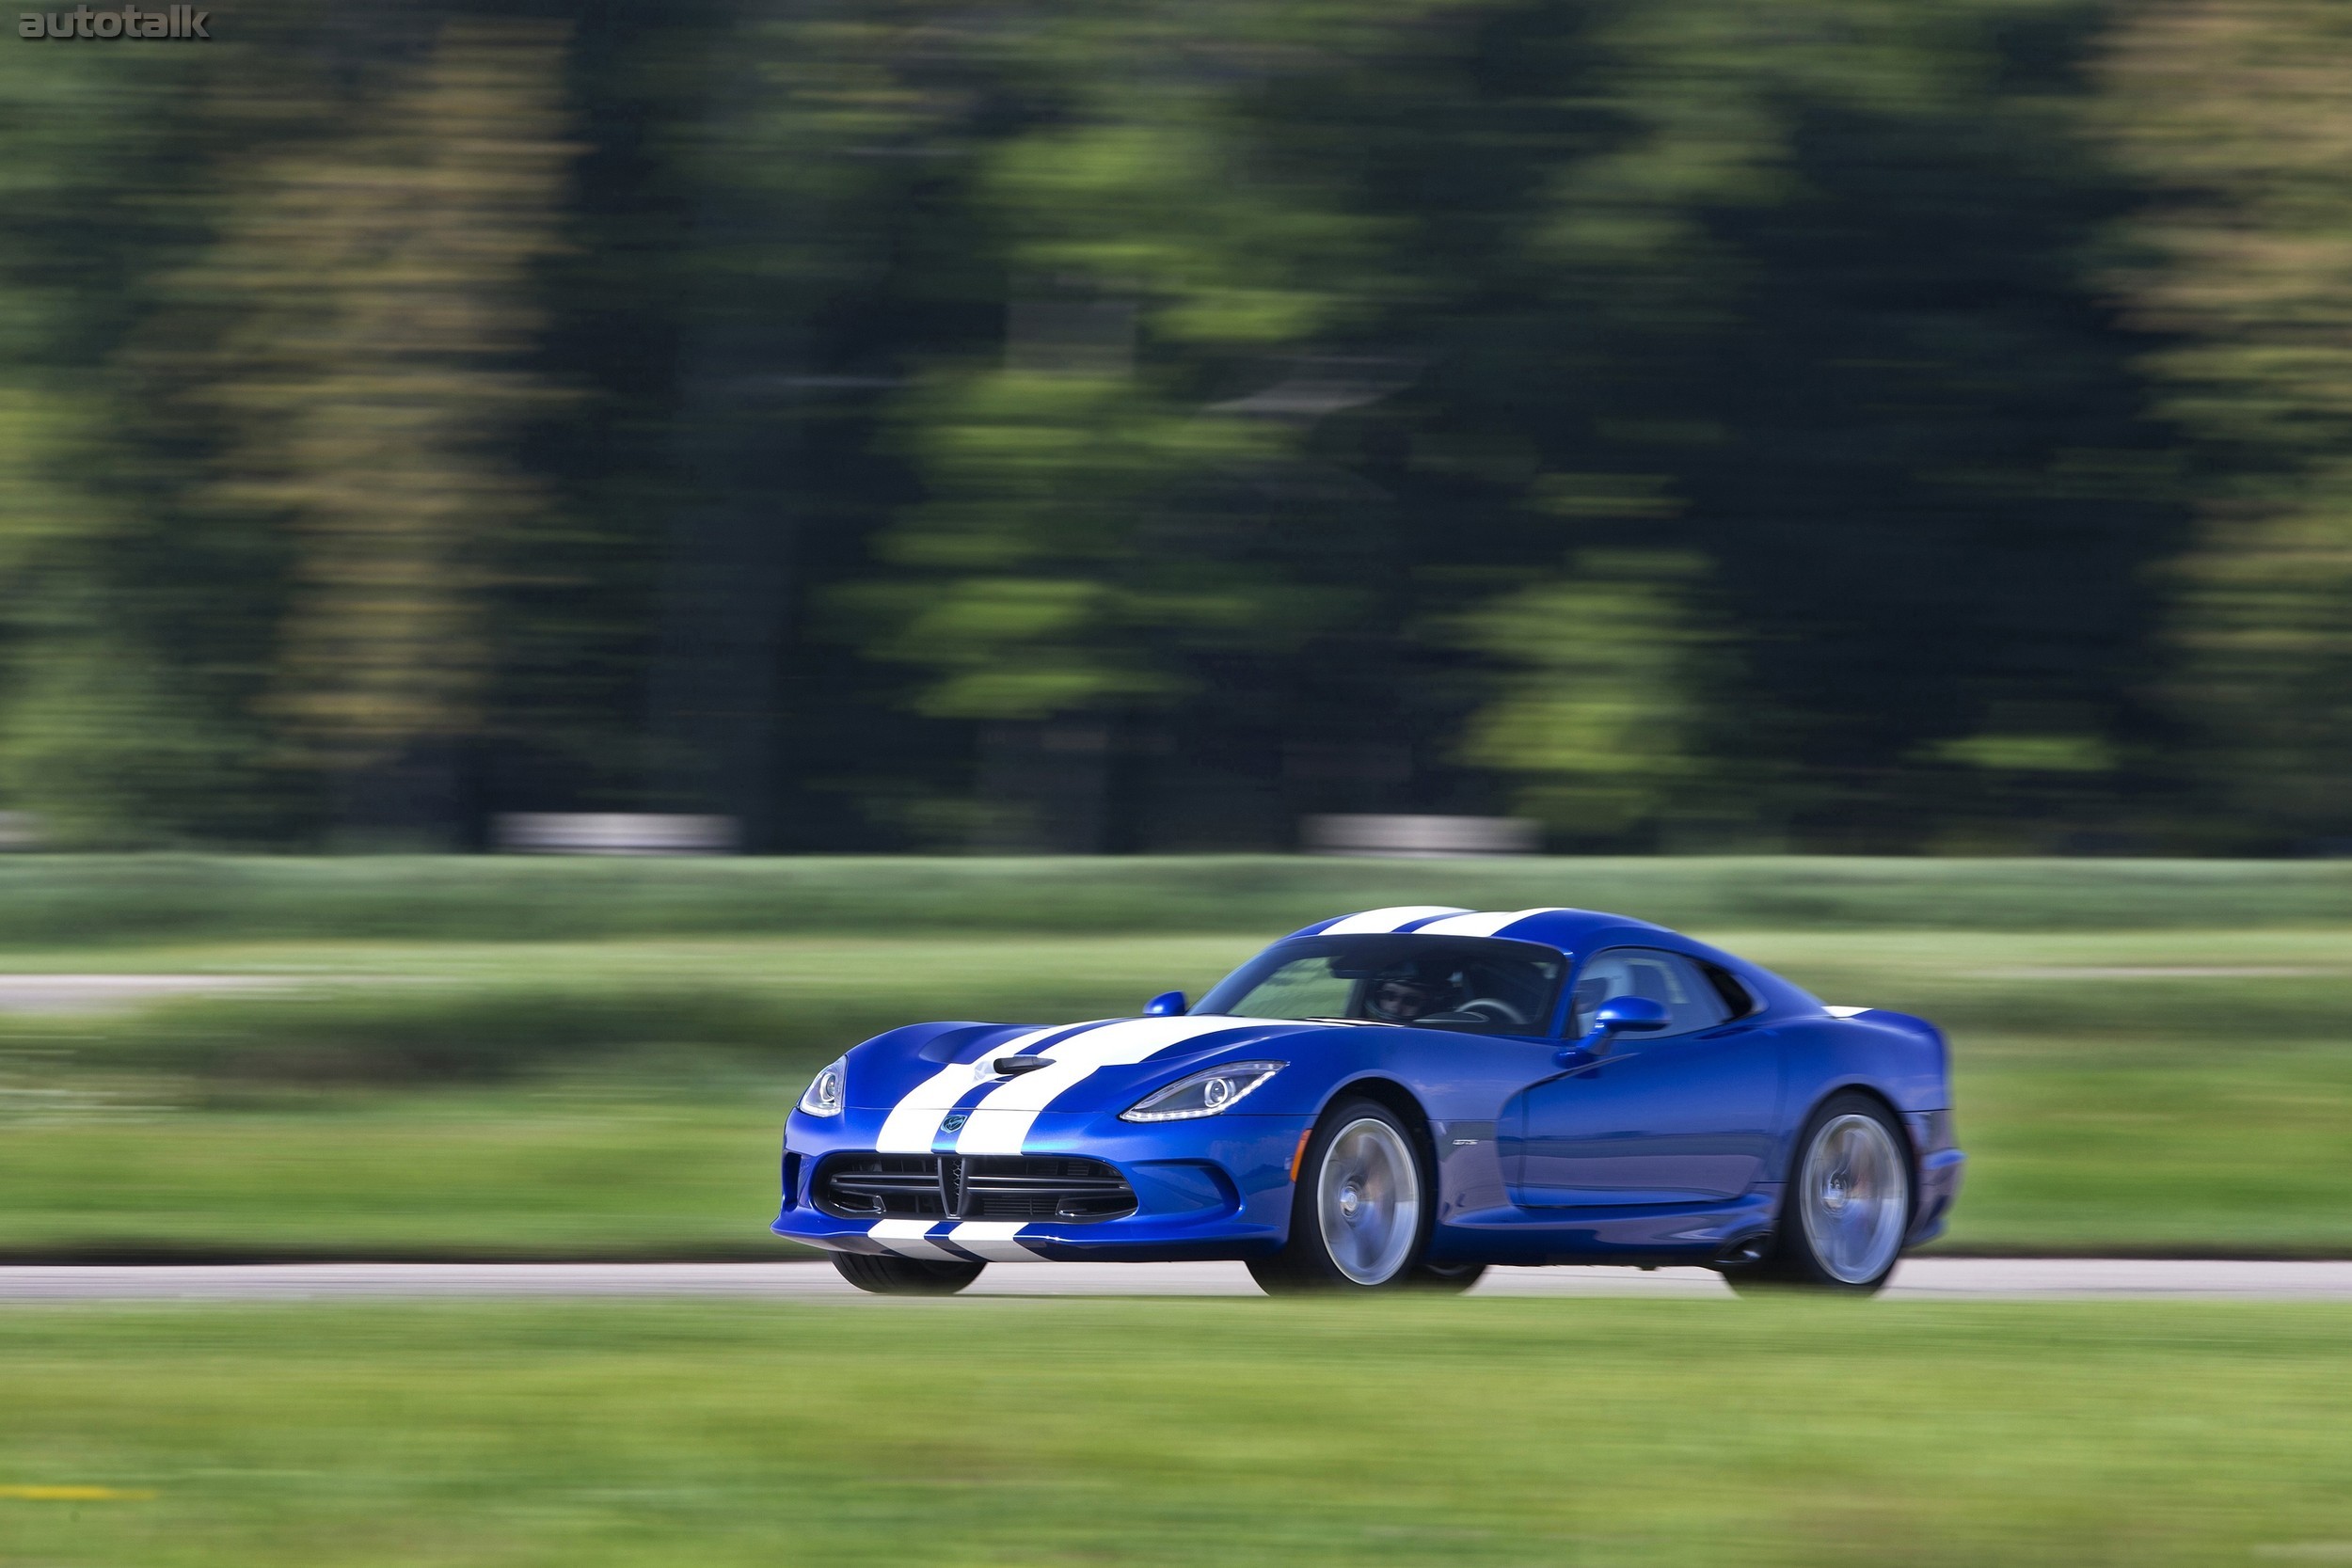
994	1241
1001	1121
906	1238
1387	920
1482	925
912	1122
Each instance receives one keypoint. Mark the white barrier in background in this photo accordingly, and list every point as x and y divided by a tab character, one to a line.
614	832
1422	835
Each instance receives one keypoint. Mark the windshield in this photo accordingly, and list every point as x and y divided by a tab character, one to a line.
1476	983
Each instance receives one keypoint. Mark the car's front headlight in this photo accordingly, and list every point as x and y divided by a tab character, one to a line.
824	1098
1203	1094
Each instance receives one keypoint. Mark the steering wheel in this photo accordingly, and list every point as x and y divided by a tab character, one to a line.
1496	1009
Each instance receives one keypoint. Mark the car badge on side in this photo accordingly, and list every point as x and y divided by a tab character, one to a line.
955	1121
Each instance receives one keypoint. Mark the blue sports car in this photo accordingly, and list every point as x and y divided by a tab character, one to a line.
1396	1100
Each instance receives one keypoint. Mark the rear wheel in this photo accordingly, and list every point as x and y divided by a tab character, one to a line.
905	1276
1846	1206
1359	1216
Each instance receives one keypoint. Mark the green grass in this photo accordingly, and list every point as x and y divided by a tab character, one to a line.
573	1170
384	1012
623	1097
1604	1433
63	901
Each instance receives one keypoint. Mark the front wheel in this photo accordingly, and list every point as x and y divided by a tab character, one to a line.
1360	1216
905	1276
1847	1207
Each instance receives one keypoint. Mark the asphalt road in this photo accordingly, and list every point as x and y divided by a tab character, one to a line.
1947	1277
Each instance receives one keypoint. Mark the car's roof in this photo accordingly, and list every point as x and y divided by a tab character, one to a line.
1569	930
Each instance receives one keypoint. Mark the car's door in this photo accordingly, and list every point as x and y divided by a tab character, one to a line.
1683	1116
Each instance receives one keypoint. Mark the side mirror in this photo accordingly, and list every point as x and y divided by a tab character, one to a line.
1619	1015
1632	1015
1171	1004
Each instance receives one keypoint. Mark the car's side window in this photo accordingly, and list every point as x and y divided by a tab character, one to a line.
1667	978
1739	1002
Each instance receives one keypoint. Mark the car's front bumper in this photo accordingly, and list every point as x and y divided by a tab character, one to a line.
1218	1187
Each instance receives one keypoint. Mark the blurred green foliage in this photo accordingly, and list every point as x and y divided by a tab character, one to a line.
375	311
1604	718
1832	426
2229	113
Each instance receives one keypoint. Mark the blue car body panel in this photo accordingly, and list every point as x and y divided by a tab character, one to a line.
1647	1150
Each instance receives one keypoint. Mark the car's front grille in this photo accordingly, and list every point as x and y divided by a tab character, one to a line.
970	1187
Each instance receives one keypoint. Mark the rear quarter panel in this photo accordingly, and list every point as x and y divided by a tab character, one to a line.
1902	1059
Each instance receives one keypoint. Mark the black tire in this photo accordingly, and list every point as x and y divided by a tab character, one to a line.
1810	1249
905	1276
1758	1279
1306	1262
1443	1279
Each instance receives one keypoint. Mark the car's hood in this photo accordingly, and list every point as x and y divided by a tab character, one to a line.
920	1073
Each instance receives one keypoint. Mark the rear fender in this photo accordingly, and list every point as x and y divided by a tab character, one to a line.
1899	1058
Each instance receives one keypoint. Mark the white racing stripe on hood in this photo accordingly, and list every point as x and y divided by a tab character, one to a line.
1001	1121
993	1239
1387	920
906	1238
1484	925
912	1122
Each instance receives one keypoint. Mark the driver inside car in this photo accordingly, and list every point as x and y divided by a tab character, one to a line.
1408	995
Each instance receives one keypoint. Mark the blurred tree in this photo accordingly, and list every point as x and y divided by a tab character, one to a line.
823	168
1605	724
1135	425
1099	531
1816	270
2236	113
1853	321
566	706
371	376
113	728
